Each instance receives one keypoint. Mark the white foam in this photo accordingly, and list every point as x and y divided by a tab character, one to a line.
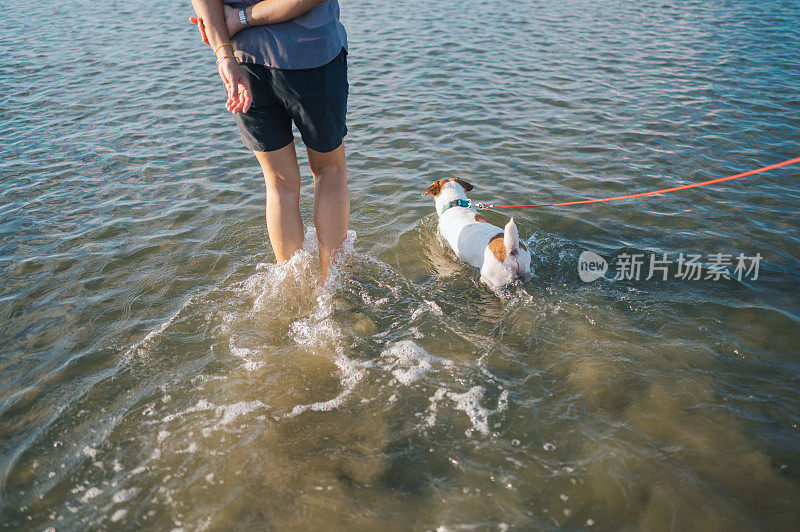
429	306
336	268
91	452
276	287
318	328
273	283
502	401
430	419
201	405
276	282
468	402
351	372
228	413
408	362
125	495
319	331
434	307
231	412
118	515
246	355
91	493
321	406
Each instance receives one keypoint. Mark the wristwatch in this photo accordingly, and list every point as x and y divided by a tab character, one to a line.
243	19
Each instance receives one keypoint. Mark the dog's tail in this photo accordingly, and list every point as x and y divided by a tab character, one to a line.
511	238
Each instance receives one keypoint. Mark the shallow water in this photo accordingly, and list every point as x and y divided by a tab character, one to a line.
158	370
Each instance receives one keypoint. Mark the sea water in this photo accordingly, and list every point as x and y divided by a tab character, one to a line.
158	370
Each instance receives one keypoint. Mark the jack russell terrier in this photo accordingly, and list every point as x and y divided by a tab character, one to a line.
498	253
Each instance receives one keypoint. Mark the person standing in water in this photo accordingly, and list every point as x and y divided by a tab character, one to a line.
285	61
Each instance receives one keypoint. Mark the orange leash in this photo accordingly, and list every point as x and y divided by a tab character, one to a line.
484	206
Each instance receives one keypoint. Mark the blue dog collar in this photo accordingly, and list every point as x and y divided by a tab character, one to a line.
456	203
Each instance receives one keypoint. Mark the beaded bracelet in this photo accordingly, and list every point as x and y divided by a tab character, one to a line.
227	57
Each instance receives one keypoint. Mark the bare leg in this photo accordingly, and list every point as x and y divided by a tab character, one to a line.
331	202
282	177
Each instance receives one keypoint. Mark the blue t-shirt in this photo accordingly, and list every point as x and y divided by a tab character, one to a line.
311	40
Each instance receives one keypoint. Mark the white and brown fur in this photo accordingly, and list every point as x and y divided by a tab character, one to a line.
498	253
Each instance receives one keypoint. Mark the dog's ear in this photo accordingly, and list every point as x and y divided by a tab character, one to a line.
435	188
464	184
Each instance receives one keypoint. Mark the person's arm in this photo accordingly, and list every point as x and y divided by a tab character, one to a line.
215	32
260	14
211	22
274	11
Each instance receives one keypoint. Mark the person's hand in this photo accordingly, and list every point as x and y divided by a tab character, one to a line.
201	27
239	95
232	23
231	20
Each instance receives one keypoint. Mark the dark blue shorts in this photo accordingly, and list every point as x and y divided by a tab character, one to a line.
314	98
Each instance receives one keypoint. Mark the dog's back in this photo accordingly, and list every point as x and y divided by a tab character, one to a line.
467	236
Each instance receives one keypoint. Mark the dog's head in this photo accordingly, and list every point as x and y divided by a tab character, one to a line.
436	186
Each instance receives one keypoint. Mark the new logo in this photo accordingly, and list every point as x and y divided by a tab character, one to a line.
591	266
